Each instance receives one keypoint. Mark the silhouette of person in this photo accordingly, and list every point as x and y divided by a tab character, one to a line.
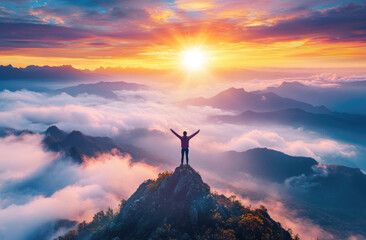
184	142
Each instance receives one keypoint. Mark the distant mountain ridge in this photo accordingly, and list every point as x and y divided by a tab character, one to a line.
347	97
332	196
349	127
180	205
103	89
268	164
239	100
64	72
76	145
4	132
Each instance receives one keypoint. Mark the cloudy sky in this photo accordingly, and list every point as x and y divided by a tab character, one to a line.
153	33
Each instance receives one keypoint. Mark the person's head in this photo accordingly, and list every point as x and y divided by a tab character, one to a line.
184	133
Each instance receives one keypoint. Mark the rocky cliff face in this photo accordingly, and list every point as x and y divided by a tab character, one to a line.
180	205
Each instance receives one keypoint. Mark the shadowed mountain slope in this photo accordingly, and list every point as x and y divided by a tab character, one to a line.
267	164
323	185
180	206
332	196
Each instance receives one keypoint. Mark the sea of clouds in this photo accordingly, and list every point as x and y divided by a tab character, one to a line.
37	186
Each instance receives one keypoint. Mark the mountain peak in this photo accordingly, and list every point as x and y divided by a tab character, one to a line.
55	132
77	138
185	169
76	134
292	84
179	205
184	184
234	90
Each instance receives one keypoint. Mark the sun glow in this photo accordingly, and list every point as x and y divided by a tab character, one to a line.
193	59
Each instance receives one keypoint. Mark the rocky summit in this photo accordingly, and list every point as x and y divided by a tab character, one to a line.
180	206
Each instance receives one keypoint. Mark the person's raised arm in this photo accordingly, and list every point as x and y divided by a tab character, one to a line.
194	134
176	134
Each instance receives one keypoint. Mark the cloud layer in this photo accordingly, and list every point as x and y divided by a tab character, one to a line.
42	186
82	190
22	155
159	112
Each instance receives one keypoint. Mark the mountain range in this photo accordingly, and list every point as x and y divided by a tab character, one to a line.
180	205
267	164
347	127
77	145
267	108
65	72
103	89
238	99
333	196
347	97
4	132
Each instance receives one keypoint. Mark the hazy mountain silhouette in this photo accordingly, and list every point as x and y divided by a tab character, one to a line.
268	164
349	127
332	196
77	145
180	206
4	132
48	230
343	97
103	89
240	100
65	72
250	74
354	84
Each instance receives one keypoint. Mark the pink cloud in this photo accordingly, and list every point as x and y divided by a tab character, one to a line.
101	182
22	155
314	148
115	173
289	219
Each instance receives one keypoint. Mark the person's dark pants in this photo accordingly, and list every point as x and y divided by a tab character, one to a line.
186	150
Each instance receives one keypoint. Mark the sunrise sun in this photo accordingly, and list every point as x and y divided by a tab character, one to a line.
193	59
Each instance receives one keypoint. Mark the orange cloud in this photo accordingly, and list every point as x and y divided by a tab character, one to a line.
234	34
193	5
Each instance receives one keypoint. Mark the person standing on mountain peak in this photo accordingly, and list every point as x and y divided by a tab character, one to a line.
184	142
